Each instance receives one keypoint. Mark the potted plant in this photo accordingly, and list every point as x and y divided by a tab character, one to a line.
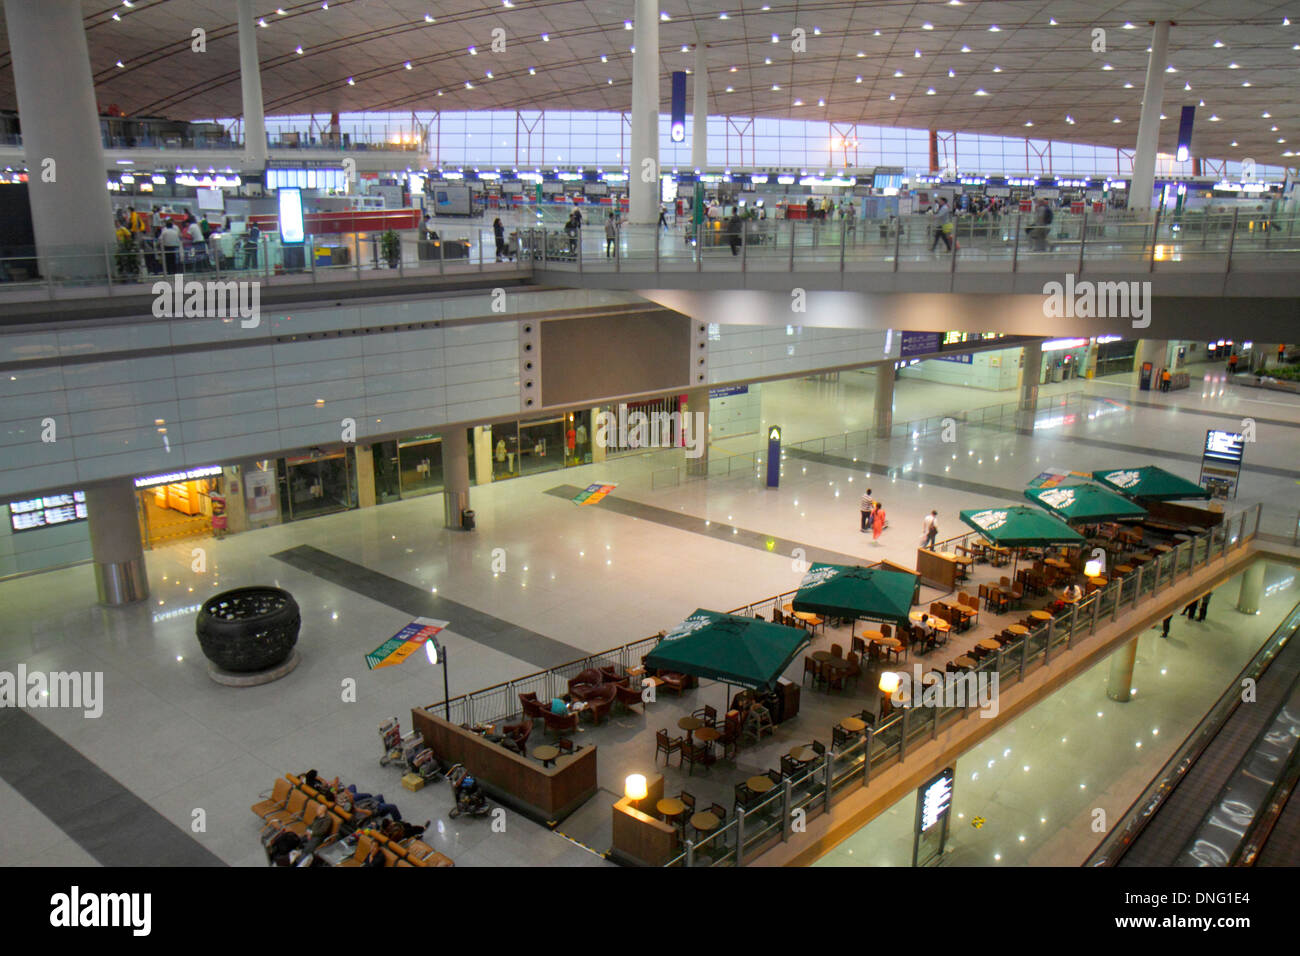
391	248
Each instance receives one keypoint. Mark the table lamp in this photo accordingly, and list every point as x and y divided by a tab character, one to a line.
634	788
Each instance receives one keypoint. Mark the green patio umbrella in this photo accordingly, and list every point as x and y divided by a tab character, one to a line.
1084	502
874	594
1020	526
1151	483
743	651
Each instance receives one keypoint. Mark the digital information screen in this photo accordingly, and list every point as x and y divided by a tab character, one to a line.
933	802
291	226
48	511
1224	446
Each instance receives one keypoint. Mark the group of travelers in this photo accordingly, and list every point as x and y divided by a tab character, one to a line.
873	516
155	231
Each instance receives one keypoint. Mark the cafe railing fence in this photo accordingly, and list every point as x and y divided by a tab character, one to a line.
784	812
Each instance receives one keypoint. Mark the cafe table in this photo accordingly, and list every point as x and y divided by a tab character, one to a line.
989	644
705	821
964	663
1041	615
546	754
870	636
690	725
670	808
821	657
1057	563
939	623
1162	549
707	735
853	725
761	783
1017	629
803	754
1124	568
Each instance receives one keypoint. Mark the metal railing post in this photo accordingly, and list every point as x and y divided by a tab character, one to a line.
1047	643
1232	241
1024	655
618	248
699	246
787	795
740	836
902	736
480	250
108	265
356	252
1015	249
793	232
1155	236
843	239
1083	238
690	853
898	238
579	250
866	753
1096	606
656	248
828	768
442	257
744	245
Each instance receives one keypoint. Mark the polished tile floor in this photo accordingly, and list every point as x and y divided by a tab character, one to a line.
585	578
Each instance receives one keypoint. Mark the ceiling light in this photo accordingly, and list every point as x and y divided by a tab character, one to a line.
469	85
722	16
767	61
1128	26
1214	119
1218	44
952	74
489	74
927	26
997	69
1107	66
532	71
1265	115
798	102
117	17
1051	21
351	81
473	52
732	70
1233	143
298	50
930	91
891	97
876	34
1272	129
609	81
861	54
1246	83
731	89
1187	87
775	87
1115	120
627	24
604	58
980	93
898	73
1170	69
280	11
1029	122
430	19
1128	86
821	102
1233	66
775	38
685	48
546	38
1163	116
120	66
995	29
407	64
916	54
664	17
965	48
1281	141
127	3
261	22
858	80
1069	119
817	31
1286	21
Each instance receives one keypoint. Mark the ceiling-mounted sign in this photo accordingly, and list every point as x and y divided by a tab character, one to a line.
172	477
677	131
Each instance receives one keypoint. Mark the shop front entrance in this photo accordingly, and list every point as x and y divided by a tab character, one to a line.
182	508
317	484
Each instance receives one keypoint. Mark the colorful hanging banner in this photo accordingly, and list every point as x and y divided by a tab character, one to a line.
593	493
404	643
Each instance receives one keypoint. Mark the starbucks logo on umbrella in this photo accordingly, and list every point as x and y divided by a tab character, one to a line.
1058	498
990	520
1123	479
688	626
818	576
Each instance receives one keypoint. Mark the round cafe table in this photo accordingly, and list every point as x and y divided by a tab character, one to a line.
870	636
1124	568
821	657
803	754
670	807
1162	549
1018	629
690	725
546	754
1057	563
705	821
1040	615
707	735
761	783
853	725
989	644
890	642
964	663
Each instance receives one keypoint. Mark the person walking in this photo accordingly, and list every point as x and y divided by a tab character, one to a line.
663	218
1042	226
499	234
1165	379
1205	605
1190	610
1165	626
1232	363
611	236
733	234
942	219
867	505
877	522
929	529
170	240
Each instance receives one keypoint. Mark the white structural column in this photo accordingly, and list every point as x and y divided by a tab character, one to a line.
61	138
884	412
455	474
643	197
113	515
1119	682
700	120
1144	159
250	82
1252	589
697	400
1031	370
1155	351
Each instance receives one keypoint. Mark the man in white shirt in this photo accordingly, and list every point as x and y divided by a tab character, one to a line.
929	529
867	505
170	240
198	245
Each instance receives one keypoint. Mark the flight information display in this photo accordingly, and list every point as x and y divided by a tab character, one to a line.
48	511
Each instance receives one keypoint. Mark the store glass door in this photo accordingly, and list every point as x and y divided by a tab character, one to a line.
420	465
316	486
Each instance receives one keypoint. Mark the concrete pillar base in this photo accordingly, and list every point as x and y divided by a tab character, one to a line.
1119	685
1252	589
121	582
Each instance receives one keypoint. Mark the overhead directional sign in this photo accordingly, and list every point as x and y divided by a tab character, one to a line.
404	643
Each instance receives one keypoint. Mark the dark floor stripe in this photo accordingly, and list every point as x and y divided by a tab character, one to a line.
537	649
1204	412
99	814
893	471
713	529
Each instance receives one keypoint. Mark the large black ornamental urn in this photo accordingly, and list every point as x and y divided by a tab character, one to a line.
248	630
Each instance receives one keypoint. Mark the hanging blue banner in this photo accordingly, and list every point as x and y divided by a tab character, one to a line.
678	128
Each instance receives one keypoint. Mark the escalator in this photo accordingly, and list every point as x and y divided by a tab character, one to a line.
1224	799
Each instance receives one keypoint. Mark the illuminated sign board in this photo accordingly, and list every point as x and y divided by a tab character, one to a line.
149	481
1223	446
936	798
45	512
291	227
933	804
